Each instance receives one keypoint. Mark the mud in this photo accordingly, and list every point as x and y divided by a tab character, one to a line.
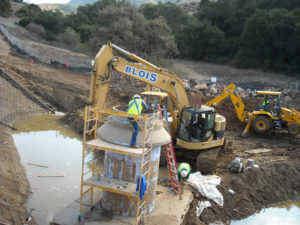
13	182
254	189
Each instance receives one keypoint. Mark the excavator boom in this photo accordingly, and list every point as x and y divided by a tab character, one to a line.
236	100
106	63
192	128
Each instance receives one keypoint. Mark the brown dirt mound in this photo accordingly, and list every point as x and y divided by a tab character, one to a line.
254	189
226	109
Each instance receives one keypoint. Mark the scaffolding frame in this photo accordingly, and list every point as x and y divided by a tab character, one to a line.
91	179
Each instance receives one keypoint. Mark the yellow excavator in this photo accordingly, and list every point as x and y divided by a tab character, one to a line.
265	117
191	128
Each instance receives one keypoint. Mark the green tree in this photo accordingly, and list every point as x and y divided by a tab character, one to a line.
266	39
5	7
255	37
273	4
53	22
86	19
173	14
28	14
201	40
128	28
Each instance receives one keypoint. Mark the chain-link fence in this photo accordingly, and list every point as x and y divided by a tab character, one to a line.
14	105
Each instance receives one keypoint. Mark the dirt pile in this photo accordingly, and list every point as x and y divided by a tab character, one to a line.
226	109
254	189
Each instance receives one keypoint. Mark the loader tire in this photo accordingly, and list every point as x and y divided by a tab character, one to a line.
294	129
261	124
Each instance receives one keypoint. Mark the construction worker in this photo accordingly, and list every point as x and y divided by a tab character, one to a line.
184	171
135	107
266	104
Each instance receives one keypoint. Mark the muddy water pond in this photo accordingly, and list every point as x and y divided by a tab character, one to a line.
287	213
42	140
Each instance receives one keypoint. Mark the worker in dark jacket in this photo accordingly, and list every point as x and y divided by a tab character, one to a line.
135	107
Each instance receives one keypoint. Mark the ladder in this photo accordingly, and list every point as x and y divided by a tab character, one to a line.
145	170
91	119
171	160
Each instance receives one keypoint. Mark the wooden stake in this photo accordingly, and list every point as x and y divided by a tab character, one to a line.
39	165
51	175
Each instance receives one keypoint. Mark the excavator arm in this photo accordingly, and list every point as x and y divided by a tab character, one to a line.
236	100
105	63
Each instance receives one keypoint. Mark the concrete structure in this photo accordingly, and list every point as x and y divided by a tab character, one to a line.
169	210
118	130
113	191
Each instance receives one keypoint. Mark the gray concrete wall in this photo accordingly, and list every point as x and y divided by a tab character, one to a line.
46	53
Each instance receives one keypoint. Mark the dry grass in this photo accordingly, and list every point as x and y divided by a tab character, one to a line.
204	71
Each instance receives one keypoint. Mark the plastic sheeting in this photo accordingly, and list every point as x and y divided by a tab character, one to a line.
206	185
202	205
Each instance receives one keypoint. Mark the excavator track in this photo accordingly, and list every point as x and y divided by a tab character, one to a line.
207	160
204	161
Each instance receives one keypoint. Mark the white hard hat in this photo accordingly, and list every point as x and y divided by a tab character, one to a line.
183	173
136	96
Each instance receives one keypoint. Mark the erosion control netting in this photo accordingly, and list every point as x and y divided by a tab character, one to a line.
14	105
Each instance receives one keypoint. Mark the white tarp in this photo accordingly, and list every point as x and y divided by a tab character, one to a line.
202	205
206	185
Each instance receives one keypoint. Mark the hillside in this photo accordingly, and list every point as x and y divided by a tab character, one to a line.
80	2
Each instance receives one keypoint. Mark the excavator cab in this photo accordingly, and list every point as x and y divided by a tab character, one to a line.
196	124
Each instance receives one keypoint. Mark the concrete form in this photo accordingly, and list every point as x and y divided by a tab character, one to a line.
117	182
169	210
118	130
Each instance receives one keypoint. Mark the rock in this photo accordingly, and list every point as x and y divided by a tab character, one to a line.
187	86
250	93
231	191
243	95
213	85
193	82
287	98
196	99
239	89
201	87
213	90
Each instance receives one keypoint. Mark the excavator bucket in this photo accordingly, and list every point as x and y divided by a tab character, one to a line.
248	126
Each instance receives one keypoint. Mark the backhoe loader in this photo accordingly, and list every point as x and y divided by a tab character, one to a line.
191	128
265	117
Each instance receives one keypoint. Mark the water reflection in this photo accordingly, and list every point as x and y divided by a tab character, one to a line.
42	140
280	214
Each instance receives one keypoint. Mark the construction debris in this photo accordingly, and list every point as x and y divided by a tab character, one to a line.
258	150
206	185
202	205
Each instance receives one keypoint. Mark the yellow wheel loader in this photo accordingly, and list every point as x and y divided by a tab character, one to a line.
265	117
